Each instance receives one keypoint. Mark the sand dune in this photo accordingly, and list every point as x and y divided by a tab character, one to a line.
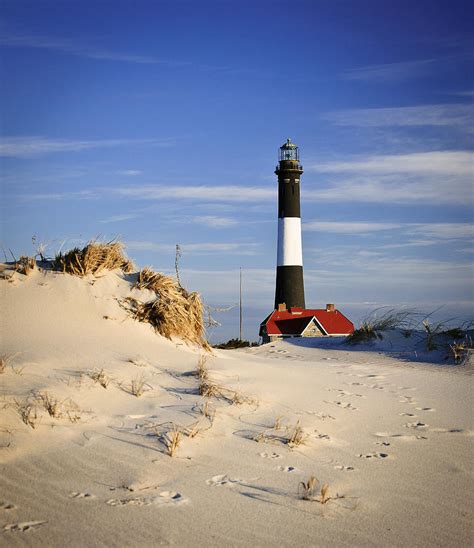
391	436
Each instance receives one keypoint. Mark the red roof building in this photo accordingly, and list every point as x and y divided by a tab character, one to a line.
301	322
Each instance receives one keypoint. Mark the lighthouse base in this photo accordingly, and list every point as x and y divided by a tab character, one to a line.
289	287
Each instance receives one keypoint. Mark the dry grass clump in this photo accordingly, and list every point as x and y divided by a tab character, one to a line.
92	259
27	411
51	404
137	387
100	377
174	313
292	436
307	490
373	326
5	360
460	350
25	265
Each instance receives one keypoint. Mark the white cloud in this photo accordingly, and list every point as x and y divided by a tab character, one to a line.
129	172
118	218
214	221
392	72
202	248
348	227
460	115
208	193
436	162
26	147
436	231
69	47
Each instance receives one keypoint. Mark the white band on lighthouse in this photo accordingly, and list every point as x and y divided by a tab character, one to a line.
289	242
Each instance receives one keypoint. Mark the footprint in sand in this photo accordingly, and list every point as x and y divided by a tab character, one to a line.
383	443
78	495
407	399
344	468
222	479
322	436
425	409
345	405
288	469
24	526
374	455
6	505
164	498
418	425
269	455
407	415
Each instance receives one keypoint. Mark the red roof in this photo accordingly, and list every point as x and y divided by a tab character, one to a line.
295	321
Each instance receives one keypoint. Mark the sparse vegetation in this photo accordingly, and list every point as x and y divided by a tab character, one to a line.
307	491
235	343
27	411
460	350
51	404
92	259
292	436
5	360
137	386
100	377
174	313
372	327
25	265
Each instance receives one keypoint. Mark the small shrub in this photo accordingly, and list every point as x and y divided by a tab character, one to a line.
100	377
27	411
137	386
92	259
25	265
51	404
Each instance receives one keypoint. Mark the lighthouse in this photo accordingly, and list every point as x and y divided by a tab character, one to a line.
290	317
289	275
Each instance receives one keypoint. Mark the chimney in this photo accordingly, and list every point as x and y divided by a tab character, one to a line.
330	308
282	307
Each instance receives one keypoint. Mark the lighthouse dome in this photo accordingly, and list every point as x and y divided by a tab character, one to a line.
289	151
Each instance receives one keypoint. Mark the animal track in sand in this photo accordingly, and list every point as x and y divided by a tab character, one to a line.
164	498
77	495
407	414
24	526
425	409
269	455
345	405
383	443
344	468
418	425
374	455
6	506
222	479
288	469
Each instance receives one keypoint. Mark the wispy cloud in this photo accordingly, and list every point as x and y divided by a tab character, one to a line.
228	193
437	162
202	248
435	231
119	218
56	196
81	50
214	221
392	72
129	172
27	147
357	227
454	115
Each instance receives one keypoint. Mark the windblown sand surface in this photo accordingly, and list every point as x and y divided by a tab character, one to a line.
391	438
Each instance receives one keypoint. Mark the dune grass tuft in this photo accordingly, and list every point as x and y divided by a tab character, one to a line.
5	360
137	386
51	404
374	325
174	313
27	411
92	259
25	265
307	491
460	350
100	377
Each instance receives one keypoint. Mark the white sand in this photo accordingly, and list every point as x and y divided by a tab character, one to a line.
393	437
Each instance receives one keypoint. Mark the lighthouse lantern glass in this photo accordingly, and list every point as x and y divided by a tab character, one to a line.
289	151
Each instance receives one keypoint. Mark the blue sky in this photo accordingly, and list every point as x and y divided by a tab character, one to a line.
159	123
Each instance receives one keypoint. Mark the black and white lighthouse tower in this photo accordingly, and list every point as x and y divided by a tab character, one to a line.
289	276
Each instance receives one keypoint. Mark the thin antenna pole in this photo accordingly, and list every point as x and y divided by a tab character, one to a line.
240	305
